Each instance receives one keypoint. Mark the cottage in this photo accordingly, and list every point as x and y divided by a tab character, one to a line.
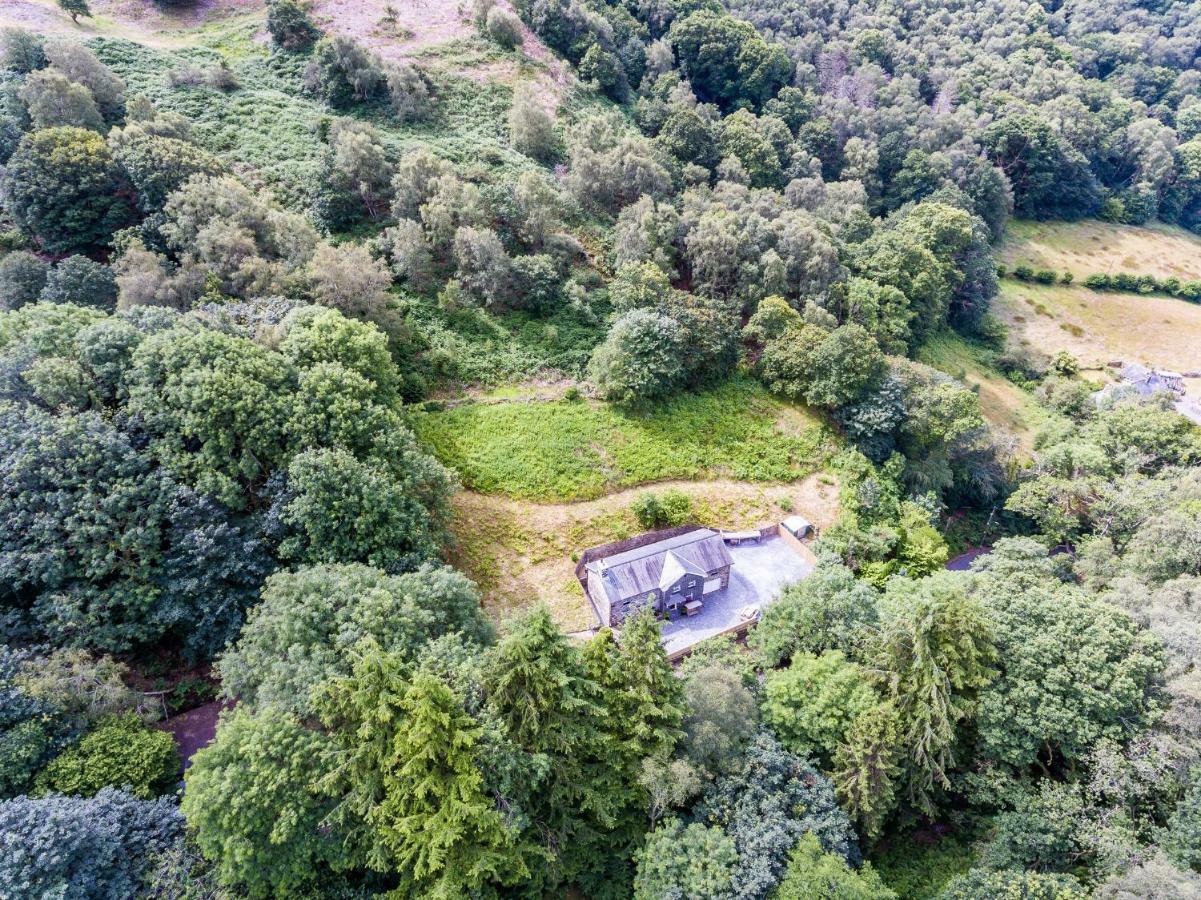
672	576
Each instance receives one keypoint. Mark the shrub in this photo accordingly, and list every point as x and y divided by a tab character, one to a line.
483	266
410	92
664	510
1098	282
21	51
289	25
53	99
1023	272
22	279
1045	276
981	884
531	127
62	189
121	752
82	66
75	847
83	282
343	72
1065	364
537	282
504	27
1066	278
159	166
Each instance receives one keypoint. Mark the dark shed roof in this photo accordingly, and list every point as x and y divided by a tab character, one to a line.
640	570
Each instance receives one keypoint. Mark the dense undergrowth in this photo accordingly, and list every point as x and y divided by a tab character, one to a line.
575	450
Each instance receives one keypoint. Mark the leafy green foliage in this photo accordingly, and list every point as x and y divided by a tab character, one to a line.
812	704
814	873
726	59
252	802
1072	670
664	510
828	610
22	279
62	189
120	752
766	805
686	861
303	632
1183	844
985	885
81	281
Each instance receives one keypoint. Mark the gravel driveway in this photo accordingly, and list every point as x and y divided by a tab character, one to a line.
758	573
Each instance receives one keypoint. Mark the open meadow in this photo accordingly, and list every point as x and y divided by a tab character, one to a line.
1091	247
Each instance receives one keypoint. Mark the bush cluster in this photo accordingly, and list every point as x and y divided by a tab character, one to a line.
1145	284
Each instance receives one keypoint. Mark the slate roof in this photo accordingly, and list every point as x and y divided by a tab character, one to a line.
643	569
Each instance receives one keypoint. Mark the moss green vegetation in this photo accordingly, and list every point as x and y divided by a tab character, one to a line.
578	450
920	870
268	124
476	346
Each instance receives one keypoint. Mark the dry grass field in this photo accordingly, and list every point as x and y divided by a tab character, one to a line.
1086	248
520	553
1102	327
437	33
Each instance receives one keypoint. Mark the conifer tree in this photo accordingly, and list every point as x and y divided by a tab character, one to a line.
654	695
539	690
866	768
934	651
414	800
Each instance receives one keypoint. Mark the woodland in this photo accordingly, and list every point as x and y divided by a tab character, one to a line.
248	285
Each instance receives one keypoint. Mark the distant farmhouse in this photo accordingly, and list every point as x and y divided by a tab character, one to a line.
672	576
1143	382
1137	381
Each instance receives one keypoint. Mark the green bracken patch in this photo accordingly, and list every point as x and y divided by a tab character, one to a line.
568	450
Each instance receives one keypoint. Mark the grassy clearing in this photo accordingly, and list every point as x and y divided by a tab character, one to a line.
520	553
475	346
1099	326
1087	248
580	450
1003	403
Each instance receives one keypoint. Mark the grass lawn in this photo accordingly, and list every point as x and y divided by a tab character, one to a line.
566	450
1003	403
1091	247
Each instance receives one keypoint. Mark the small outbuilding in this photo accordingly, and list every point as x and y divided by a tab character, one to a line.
798	526
672	576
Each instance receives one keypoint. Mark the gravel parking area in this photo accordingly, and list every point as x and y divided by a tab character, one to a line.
758	573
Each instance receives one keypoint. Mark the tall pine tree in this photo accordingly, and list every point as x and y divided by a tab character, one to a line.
643	714
538	688
414	796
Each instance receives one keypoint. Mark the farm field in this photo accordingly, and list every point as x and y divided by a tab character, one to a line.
520	553
578	450
1093	247
1099	327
